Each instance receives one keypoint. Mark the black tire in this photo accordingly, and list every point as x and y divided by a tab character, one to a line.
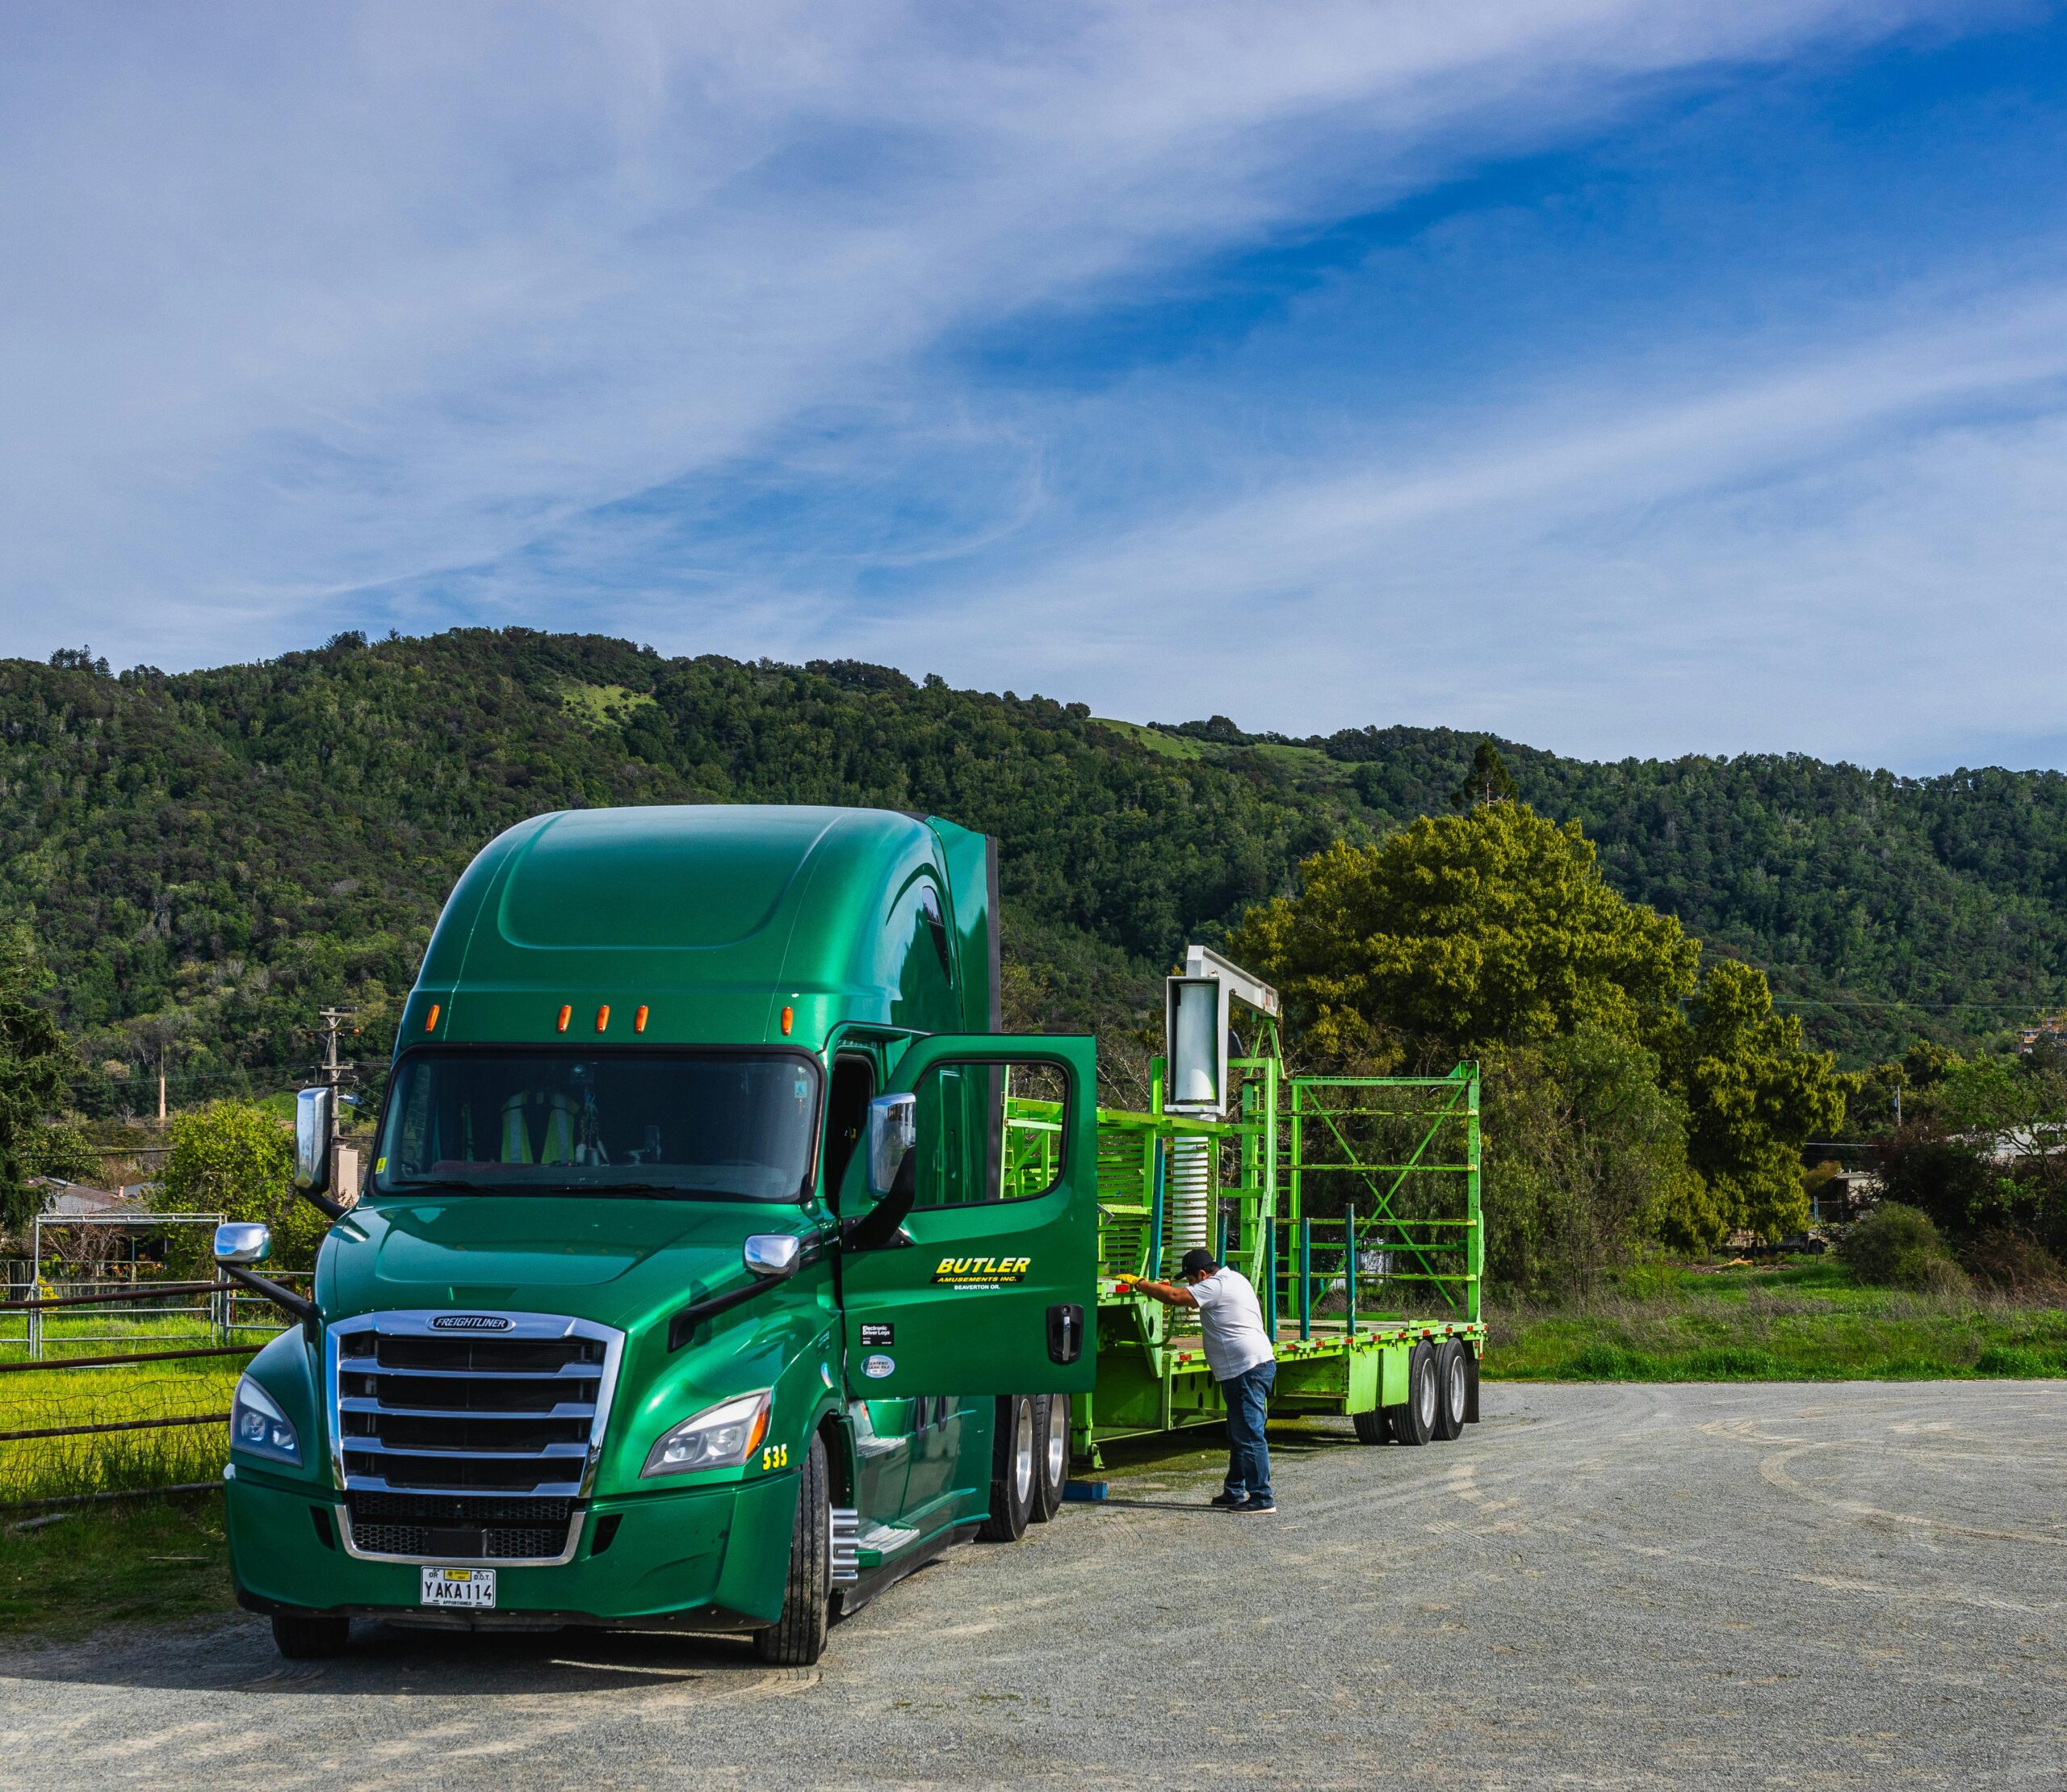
1371	1426
1415	1423
1050	1456
1452	1389
797	1639
1012	1472
310	1636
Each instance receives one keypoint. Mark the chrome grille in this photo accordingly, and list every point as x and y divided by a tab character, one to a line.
464	1444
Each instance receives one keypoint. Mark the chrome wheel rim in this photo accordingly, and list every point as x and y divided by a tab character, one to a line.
1427	1400
1022	1465
1456	1388
1058	1440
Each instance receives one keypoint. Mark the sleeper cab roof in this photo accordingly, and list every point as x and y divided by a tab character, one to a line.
713	917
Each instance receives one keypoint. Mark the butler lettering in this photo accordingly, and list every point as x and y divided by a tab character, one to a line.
982	1272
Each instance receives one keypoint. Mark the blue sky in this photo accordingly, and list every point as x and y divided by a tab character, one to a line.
1624	377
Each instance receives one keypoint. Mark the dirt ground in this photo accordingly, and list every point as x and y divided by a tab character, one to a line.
1837	1585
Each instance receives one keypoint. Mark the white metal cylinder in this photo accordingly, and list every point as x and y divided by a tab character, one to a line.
1190	1195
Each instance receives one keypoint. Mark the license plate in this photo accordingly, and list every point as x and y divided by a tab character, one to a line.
472	1587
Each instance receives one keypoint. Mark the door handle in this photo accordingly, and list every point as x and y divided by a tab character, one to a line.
1065	1332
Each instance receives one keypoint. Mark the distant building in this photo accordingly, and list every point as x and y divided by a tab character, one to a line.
75	1200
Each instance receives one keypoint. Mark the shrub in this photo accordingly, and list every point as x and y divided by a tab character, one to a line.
2014	1359
1898	1247
2016	1264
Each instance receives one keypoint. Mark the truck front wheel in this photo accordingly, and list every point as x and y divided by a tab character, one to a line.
1012	1470
310	1636
797	1639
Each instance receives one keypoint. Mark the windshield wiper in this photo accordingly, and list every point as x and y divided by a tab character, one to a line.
416	1184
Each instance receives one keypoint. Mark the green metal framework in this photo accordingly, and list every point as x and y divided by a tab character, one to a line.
1352	1204
1403	1148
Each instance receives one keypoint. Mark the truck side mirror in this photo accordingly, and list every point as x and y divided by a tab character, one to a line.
313	1117
893	1135
771	1254
243	1242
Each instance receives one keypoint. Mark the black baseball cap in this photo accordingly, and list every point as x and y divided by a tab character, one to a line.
1199	1262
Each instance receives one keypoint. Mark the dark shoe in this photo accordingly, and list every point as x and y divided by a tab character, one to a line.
1230	1501
1258	1502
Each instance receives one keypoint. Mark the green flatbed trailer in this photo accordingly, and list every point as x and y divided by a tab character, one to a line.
1392	1266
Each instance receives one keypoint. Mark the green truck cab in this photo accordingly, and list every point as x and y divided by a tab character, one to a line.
694	1284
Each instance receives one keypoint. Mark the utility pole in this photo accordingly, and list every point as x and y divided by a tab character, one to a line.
333	1075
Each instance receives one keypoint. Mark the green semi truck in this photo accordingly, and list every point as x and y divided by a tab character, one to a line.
721	1260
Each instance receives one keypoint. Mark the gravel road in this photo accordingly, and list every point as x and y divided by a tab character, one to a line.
1772	1585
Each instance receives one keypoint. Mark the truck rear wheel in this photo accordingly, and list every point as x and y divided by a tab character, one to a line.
1452	1390
1011	1471
1371	1426
1050	1456
797	1639
310	1636
1415	1423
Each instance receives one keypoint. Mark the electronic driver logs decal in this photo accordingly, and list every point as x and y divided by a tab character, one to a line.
981	1272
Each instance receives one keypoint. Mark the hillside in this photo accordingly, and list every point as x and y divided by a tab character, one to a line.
207	856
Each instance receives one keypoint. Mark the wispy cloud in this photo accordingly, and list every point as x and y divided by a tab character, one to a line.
659	319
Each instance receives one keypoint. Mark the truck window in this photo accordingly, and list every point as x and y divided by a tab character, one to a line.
735	1125
990	1132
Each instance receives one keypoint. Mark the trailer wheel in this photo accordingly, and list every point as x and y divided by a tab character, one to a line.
1371	1426
797	1637
1415	1423
1050	1456
1011	1471
310	1636
1452	1389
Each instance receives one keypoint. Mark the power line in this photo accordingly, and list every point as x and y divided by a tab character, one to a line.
1868	1001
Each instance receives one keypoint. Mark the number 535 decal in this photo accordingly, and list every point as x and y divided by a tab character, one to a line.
775	1456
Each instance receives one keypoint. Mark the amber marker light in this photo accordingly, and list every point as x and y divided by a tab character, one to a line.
639	1019
603	1018
566	1014
789	1021
430	1019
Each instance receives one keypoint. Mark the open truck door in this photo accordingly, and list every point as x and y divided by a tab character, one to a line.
970	1222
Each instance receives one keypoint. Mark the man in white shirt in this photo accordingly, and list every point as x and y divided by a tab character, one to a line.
1244	1360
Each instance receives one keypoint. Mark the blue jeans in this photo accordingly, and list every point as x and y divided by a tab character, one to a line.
1248	1395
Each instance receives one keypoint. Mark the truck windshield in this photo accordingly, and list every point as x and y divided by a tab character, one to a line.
732	1125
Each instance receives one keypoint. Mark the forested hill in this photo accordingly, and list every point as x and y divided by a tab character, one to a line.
204	857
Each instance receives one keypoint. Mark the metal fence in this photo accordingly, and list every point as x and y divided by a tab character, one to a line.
80	1420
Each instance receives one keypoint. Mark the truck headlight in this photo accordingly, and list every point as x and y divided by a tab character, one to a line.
258	1427
723	1436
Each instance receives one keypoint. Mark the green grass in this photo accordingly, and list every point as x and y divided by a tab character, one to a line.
147	1561
1170	746
47	1468
1807	1320
605	705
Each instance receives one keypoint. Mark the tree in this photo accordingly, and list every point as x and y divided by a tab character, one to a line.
1585	1154
35	1065
233	1158
1492	927
1755	1093
60	1151
1488	781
